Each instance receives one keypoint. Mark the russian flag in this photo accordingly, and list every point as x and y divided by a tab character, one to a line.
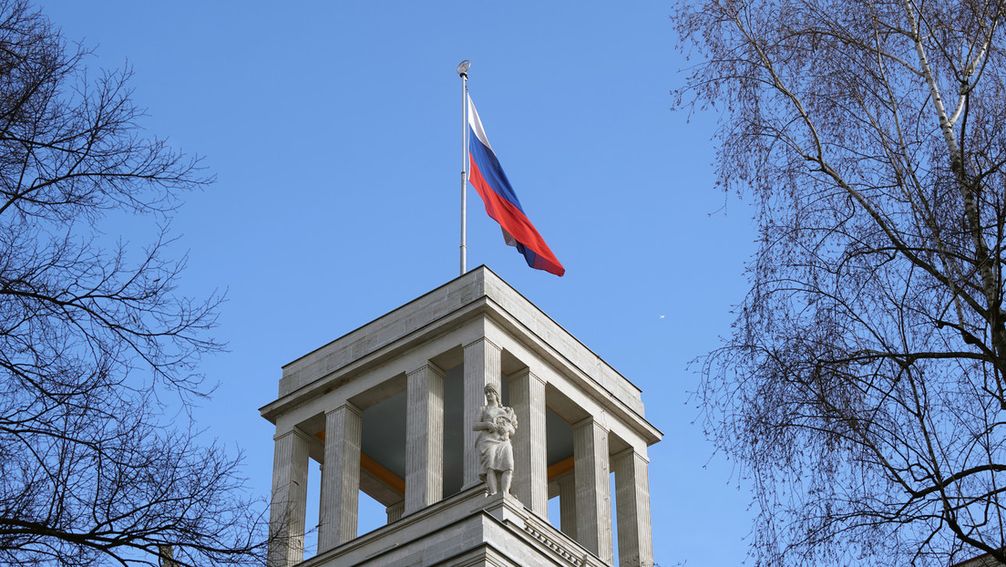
501	202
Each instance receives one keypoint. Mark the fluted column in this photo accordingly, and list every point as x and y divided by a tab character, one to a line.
340	481
395	511
288	508
530	475
567	505
593	491
321	491
424	431
632	503
481	367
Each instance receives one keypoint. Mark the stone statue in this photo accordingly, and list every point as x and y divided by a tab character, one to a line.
496	424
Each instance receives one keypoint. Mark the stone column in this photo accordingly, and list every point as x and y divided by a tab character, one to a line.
395	511
593	498
567	505
321	491
632	501
289	499
481	367
530	475
424	434
340	481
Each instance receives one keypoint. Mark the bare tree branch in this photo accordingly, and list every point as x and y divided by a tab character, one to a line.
864	385
93	335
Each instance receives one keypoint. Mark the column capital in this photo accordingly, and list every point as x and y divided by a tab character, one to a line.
347	405
526	372
293	431
600	421
483	339
630	451
427	366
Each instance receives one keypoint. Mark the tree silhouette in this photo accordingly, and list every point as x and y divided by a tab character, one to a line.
863	387
93	335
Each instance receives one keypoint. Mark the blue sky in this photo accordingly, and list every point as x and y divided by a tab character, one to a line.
333	131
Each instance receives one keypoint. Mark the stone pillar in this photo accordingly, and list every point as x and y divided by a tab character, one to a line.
340	481
567	505
395	511
321	492
289	499
481	367
593	498
632	501
424	434
530	475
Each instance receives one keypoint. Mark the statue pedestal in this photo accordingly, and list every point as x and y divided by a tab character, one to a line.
467	529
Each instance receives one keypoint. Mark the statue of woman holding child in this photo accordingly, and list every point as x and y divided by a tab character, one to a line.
497	424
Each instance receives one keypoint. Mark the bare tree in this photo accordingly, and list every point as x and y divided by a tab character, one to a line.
92	334
863	387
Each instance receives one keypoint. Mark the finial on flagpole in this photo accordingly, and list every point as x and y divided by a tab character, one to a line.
463	68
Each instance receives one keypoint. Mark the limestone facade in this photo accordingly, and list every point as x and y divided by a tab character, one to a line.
388	409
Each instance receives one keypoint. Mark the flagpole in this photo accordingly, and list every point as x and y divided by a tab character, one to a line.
463	73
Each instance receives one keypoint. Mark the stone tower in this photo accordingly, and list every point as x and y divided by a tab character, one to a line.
389	409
